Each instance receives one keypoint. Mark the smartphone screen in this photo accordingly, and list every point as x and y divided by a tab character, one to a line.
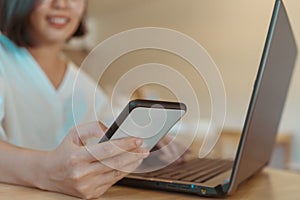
145	119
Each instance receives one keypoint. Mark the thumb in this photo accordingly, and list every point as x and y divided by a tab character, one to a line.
81	133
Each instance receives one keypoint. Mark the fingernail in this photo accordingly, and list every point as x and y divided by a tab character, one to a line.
138	142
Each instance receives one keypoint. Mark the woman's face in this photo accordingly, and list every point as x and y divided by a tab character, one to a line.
55	21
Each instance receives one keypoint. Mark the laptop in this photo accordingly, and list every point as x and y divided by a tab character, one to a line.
218	178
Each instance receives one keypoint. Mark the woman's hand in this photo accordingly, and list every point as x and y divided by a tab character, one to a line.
88	171
171	149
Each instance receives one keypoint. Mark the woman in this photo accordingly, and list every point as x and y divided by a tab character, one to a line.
36	147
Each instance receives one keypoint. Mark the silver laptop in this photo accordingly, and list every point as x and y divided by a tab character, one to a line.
218	178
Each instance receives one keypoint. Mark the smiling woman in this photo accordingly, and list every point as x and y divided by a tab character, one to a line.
56	24
40	144
15	22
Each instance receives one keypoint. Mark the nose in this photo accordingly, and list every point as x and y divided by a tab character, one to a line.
60	4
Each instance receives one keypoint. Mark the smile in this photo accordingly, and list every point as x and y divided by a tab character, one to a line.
58	22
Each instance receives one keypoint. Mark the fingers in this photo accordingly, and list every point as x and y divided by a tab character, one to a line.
114	176
97	182
172	149
165	147
81	133
110	149
110	178
119	162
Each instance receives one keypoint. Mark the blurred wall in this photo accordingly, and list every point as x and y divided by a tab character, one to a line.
232	31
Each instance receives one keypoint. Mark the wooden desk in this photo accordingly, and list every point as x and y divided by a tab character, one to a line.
270	184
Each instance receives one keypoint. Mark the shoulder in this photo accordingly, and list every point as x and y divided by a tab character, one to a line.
10	53
7	46
3	53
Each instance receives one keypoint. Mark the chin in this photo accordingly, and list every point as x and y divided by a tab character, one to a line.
58	38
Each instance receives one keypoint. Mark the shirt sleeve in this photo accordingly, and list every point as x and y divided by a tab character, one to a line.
2	87
2	108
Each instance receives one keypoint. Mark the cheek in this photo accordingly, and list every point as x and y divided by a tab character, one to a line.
37	17
36	24
78	13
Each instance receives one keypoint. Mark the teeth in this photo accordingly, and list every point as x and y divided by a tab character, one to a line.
58	20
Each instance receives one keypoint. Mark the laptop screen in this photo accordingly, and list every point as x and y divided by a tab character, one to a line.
268	98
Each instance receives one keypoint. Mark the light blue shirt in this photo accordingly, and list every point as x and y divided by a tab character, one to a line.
33	113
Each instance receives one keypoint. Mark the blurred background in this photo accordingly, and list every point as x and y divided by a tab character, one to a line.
232	31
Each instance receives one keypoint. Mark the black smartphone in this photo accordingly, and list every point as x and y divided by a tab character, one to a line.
146	119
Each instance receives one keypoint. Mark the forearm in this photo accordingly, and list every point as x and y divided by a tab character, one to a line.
21	166
71	168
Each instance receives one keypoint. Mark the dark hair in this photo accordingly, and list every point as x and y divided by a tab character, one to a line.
14	20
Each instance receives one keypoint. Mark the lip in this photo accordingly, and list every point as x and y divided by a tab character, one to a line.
58	21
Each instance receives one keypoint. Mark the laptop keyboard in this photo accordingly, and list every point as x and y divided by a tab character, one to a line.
196	170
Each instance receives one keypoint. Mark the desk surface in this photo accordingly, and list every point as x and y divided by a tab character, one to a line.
270	184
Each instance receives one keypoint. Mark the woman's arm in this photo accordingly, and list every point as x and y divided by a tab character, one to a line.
72	168
20	166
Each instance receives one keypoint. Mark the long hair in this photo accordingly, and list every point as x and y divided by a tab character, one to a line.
14	20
